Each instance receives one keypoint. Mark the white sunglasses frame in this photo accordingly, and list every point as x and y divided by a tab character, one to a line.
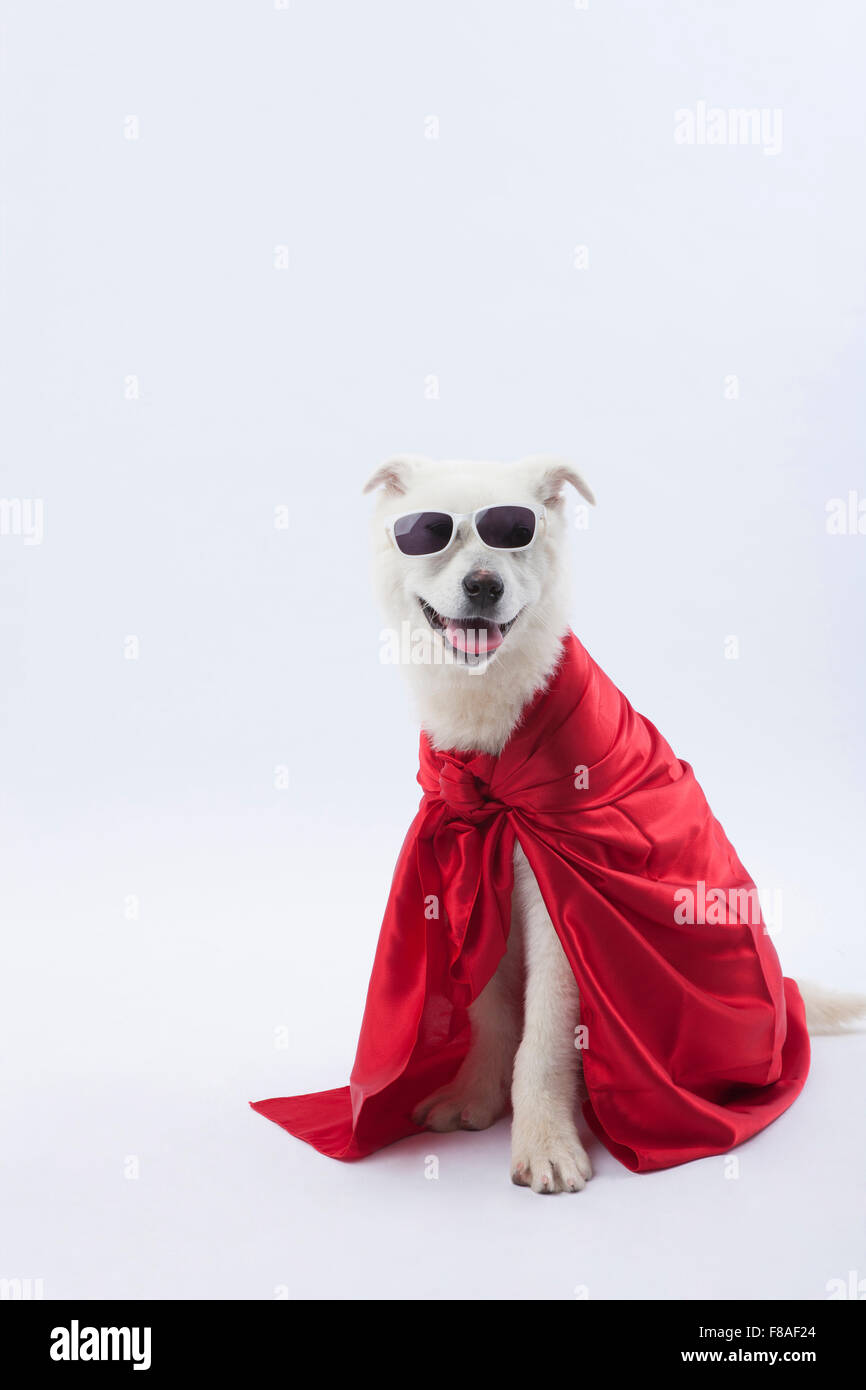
539	511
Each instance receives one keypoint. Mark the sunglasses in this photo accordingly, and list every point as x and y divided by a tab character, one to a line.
499	528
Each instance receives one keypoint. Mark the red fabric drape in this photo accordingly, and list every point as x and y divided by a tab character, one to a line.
695	1041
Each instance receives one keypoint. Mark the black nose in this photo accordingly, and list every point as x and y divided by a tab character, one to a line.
483	586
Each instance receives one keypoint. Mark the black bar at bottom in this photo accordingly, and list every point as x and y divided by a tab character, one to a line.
70	1337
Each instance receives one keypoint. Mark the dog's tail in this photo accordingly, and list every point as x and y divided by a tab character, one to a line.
829	1010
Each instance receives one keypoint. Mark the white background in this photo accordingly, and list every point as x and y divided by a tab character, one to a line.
408	258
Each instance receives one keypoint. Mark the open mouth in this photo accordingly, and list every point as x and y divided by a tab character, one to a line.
473	637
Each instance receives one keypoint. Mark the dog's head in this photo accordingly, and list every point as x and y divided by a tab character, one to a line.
472	554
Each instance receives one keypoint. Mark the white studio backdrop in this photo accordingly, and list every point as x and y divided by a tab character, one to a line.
249	251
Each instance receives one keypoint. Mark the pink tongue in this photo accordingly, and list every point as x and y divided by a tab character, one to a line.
473	640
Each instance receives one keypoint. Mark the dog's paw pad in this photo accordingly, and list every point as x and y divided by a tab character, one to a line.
453	1108
561	1166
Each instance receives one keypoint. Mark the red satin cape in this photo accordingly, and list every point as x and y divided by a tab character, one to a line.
694	1041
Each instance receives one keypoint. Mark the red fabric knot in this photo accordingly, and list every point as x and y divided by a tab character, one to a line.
465	792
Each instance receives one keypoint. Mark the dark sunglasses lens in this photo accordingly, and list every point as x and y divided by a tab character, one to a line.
506	528
423	533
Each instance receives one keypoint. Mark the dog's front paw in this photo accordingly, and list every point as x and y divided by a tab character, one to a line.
553	1162
461	1106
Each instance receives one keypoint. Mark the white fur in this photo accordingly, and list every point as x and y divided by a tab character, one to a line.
829	1010
523	1022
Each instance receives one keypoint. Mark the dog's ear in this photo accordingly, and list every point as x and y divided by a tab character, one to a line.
395	475
553	474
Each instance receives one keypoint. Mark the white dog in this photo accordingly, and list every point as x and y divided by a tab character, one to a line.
492	620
